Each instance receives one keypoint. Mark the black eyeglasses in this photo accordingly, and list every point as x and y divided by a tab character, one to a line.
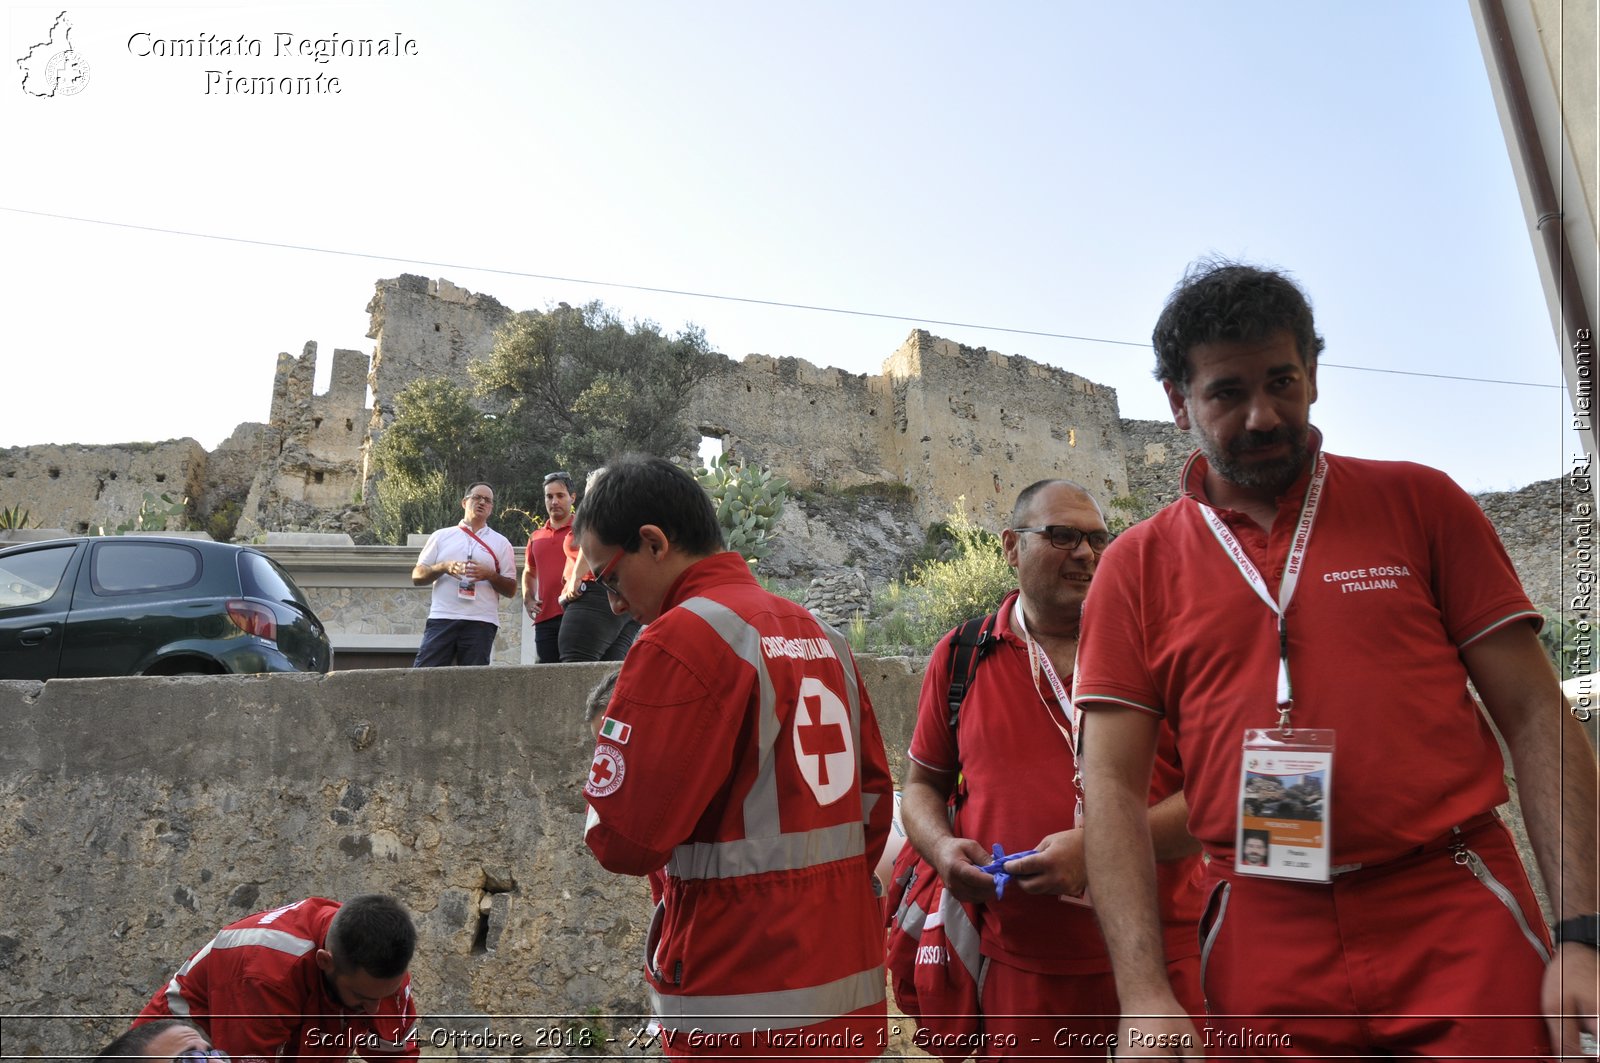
200	1056
564	477
1064	538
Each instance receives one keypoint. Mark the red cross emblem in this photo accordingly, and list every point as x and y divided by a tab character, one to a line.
606	773
822	735
819	739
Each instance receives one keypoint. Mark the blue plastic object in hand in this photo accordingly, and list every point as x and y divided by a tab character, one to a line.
997	868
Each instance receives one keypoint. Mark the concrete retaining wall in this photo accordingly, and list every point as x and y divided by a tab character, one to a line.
138	816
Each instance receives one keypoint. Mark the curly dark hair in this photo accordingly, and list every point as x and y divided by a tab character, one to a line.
1222	300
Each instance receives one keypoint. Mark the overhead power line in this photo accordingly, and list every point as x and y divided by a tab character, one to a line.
750	300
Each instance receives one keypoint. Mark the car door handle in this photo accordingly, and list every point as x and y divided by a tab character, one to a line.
34	635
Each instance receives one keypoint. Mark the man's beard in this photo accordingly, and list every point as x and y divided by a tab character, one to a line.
1273	475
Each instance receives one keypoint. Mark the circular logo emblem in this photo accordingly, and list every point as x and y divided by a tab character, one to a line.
605	774
824	749
68	72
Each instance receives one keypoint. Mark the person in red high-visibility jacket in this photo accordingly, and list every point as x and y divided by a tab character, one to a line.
310	980
739	753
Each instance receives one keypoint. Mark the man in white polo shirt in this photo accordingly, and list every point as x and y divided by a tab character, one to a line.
471	567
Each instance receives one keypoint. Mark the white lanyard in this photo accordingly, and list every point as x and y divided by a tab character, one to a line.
1291	573
1039	661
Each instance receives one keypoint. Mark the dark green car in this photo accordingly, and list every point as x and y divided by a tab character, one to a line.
145	605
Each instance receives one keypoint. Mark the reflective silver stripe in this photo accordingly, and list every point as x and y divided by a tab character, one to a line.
1481	872
751	856
912	918
761	803
278	940
784	1009
841	649
960	933
176	1002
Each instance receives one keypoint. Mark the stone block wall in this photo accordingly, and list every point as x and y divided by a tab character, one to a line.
1156	452
424	328
1548	529
815	427
309	455
364	597
980	424
84	488
138	816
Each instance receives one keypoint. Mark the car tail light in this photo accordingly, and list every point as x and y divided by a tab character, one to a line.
253	618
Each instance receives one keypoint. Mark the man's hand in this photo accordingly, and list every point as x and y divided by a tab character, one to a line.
1152	1035
1057	866
959	863
533	605
1569	997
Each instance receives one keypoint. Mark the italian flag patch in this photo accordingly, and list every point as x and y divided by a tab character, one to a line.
615	730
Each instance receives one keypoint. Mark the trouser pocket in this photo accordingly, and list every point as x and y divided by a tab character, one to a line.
1474	863
652	943
1210	928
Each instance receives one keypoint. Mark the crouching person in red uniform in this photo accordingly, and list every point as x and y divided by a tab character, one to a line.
310	980
739	753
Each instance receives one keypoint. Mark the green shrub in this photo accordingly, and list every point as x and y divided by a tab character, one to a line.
973	581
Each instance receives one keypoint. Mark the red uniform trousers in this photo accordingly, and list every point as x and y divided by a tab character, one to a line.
1414	956
1063	1016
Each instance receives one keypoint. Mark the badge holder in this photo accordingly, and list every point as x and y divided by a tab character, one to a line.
1285	800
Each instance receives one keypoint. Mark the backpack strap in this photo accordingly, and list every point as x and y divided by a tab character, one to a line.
973	640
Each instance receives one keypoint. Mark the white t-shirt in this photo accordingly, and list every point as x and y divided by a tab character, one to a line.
454	544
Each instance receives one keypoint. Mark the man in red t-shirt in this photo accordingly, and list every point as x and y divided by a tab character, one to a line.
310	980
545	562
1047	989
1337	607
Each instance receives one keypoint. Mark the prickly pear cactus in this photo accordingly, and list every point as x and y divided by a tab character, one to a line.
748	502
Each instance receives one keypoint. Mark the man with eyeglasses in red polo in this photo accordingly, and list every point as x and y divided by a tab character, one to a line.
1044	982
740	753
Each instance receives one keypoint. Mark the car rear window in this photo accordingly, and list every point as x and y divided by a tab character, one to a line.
135	567
32	576
261	577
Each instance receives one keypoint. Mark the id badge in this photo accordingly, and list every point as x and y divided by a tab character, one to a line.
466	588
1285	790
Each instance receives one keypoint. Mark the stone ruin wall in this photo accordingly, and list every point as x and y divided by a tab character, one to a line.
309	455
424	329
943	420
978	424
815	427
85	488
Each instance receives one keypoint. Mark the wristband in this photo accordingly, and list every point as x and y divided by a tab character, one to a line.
1581	929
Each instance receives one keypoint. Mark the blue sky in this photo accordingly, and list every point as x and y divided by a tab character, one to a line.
1048	167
